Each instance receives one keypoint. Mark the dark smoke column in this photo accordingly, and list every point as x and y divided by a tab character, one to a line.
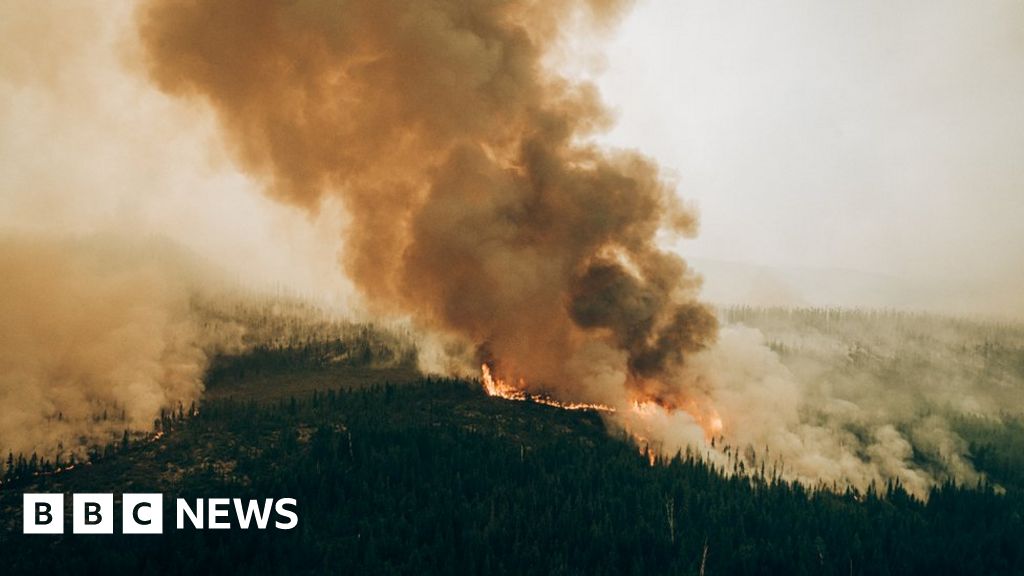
477	204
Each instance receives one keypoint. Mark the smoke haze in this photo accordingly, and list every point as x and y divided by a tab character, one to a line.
89	146
96	339
827	143
117	206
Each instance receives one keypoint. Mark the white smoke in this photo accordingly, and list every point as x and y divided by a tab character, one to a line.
870	400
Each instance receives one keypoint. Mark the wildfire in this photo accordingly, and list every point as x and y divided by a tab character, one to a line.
497	387
716	422
706	416
645	411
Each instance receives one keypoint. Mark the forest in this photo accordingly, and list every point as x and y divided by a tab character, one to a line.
406	474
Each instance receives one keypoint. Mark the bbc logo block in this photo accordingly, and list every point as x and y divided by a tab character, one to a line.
44	513
142	514
93	514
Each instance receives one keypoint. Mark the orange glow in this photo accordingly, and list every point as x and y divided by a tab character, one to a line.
497	387
704	414
715	422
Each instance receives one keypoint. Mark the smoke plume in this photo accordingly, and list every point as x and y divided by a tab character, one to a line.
97	339
477	203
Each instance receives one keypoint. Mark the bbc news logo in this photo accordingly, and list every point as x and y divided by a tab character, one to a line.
143	513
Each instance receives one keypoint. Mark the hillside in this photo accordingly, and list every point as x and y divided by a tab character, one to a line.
433	476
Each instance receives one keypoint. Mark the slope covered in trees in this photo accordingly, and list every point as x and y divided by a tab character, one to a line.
425	476
435	477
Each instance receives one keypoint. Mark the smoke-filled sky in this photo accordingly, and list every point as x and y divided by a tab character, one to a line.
89	146
884	137
871	136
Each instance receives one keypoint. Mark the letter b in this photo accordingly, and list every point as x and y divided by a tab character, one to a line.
43	513
92	514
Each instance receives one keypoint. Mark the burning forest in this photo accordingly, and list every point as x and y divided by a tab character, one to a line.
480	211
479	205
481	208
398	241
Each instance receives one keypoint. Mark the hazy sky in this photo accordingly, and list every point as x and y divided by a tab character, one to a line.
872	135
89	146
876	136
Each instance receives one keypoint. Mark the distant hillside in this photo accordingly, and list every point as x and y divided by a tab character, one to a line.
743	284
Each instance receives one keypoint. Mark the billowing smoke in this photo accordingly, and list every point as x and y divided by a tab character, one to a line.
97	339
847	398
477	203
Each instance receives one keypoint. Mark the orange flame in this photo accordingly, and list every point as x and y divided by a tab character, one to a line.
703	413
498	388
